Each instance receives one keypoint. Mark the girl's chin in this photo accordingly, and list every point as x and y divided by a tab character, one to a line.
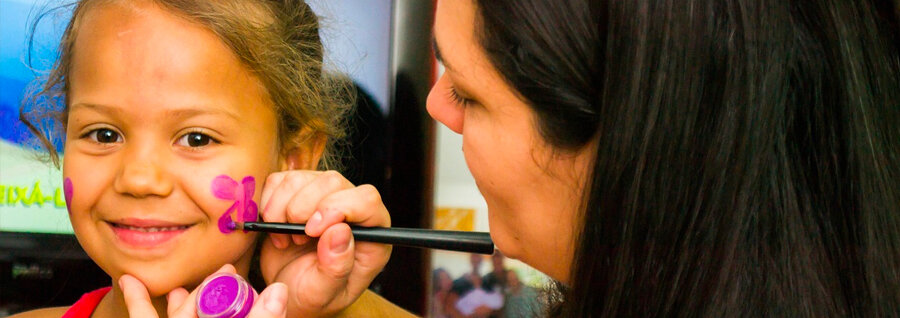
159	284
161	289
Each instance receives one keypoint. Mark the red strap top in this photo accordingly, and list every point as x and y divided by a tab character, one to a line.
85	306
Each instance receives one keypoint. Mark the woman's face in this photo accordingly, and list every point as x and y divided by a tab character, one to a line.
532	189
159	108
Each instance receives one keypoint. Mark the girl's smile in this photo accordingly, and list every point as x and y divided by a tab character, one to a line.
147	233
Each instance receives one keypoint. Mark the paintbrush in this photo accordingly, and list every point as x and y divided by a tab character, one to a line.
462	241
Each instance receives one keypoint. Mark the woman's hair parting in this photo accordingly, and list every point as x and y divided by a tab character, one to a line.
747	151
278	41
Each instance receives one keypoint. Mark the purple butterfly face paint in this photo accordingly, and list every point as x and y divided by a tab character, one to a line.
68	192
244	208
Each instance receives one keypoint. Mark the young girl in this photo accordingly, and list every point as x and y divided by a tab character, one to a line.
175	113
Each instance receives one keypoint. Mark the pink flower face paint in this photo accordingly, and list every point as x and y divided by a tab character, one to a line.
68	192
244	208
224	296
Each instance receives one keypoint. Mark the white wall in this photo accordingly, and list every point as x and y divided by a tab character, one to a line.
357	37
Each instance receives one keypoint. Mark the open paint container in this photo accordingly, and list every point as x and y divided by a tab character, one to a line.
224	295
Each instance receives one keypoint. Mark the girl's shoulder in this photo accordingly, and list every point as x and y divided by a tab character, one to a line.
43	312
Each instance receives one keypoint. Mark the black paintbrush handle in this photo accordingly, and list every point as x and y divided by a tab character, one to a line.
472	242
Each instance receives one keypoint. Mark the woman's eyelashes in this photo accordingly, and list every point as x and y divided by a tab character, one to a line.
457	98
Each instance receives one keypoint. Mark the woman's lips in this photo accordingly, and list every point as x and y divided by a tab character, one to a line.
146	233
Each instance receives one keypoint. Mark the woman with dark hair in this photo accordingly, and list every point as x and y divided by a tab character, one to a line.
702	158
722	158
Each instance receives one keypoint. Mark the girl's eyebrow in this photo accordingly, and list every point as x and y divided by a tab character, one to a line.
204	111
95	107
175	113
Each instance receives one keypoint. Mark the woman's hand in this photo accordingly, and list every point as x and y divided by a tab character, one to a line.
181	304
327	270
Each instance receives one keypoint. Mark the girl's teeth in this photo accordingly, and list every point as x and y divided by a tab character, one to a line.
154	229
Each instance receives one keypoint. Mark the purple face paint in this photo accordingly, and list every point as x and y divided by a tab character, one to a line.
67	192
224	295
244	208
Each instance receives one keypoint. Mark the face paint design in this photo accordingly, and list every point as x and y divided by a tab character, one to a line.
67	192
244	208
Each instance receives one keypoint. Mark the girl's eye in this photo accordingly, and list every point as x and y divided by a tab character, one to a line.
103	136
195	139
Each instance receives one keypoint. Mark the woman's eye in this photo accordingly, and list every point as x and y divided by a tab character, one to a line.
195	139
104	136
457	98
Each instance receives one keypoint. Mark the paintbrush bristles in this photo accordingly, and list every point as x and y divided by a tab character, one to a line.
234	226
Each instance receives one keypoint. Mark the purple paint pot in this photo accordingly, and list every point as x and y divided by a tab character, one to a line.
224	296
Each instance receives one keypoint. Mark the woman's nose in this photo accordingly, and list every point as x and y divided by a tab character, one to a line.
443	108
143	174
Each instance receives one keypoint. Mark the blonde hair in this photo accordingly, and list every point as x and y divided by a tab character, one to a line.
278	41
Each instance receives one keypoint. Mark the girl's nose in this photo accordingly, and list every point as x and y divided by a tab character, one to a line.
442	108
143	175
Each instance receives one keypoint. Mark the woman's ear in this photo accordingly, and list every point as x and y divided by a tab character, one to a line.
303	151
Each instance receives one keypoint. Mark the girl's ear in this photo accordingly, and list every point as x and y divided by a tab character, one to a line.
303	152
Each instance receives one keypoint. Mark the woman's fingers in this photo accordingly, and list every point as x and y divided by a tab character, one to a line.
324	282
302	207
328	274
272	302
137	299
292	196
336	255
269	186
360	206
276	194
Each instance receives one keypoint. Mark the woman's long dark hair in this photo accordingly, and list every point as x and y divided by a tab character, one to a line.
748	151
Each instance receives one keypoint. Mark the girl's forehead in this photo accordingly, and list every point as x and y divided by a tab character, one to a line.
153	35
156	60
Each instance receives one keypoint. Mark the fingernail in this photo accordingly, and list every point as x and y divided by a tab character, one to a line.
314	220
276	298
278	241
340	243
297	239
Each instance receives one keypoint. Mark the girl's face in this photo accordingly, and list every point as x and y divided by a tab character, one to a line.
532	190
158	108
